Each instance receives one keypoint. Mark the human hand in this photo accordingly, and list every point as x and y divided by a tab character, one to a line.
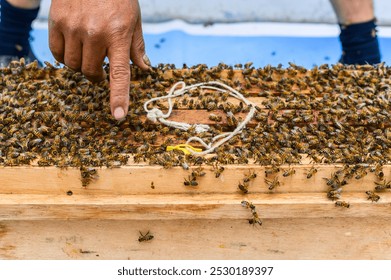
83	32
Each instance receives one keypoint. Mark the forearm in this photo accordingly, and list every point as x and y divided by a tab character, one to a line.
353	11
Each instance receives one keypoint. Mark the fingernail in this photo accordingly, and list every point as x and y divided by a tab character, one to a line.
119	113
146	60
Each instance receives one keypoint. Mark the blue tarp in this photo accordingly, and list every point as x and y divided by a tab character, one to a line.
179	47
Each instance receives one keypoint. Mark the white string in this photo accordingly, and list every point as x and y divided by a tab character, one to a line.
155	114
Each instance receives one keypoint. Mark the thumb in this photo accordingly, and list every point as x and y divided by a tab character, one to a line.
137	49
118	55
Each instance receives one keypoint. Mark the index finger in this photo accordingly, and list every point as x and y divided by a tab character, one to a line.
119	58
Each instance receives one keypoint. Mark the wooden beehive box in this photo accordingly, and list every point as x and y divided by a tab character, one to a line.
46	212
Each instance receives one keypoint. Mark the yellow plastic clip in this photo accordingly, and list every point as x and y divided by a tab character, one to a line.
184	148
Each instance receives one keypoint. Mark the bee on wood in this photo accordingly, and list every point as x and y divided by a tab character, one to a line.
88	174
255	218
152	185
334	182
360	173
258	109
215	118
378	169
341	203
250	176
372	196
248	204
334	194
382	185
44	162
289	172
231	120
211	106
243	186
145	237
198	172
218	170
272	184
311	172
190	181
272	170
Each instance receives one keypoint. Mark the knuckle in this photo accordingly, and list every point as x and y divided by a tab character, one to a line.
94	34
119	28
55	20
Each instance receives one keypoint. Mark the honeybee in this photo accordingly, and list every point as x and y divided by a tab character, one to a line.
243	187
258	109
372	196
342	204
250	176
378	169
248	65
255	219
360	173
289	172
218	170
272	184
231	120
248	204
334	181
145	237
334	194
311	172
215	118
37	133
198	172
43	162
272	170
382	185
88	174
190	181
152	185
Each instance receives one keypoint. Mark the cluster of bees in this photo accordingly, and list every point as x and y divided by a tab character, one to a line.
328	114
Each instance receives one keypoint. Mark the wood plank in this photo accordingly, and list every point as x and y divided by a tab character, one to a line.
284	239
137	179
187	206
